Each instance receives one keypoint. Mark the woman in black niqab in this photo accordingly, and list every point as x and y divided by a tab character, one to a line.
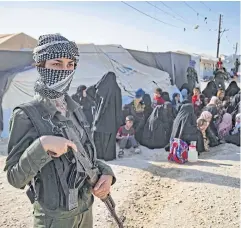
232	89
184	126
210	90
86	103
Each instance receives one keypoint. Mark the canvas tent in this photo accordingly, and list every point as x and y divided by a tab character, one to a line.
11	62
94	62
17	42
174	63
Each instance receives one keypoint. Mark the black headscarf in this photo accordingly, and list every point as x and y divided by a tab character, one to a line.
165	96
210	90
79	93
184	125
186	86
232	89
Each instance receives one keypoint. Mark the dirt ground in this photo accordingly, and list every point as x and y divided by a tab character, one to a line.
153	193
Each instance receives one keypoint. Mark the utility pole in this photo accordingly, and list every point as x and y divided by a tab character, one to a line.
236	48
219	32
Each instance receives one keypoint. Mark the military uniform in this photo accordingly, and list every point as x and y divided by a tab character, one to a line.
219	78
192	78
27	159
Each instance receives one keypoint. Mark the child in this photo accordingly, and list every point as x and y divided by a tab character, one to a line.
196	99
126	137
157	99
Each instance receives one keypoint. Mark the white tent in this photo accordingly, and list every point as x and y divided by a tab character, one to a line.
94	62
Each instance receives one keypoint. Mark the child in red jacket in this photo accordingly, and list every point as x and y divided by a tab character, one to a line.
157	99
196	98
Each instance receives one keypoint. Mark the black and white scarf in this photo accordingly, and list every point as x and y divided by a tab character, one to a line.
54	84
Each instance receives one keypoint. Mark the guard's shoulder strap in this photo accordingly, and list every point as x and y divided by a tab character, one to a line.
84	123
36	113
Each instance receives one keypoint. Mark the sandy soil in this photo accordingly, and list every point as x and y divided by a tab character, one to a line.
153	193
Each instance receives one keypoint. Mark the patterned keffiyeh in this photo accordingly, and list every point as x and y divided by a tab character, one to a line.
54	84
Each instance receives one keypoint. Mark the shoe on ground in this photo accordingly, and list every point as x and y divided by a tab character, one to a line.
137	150
121	154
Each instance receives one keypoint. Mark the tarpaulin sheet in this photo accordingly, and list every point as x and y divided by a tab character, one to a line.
94	62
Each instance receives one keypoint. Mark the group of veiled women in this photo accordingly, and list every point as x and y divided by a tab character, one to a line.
209	118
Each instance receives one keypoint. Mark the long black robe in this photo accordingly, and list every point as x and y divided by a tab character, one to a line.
234	107
214	111
148	106
234	139
86	103
139	120
210	90
185	127
158	127
232	89
166	96
108	115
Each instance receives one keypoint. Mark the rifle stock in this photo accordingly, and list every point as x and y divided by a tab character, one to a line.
110	204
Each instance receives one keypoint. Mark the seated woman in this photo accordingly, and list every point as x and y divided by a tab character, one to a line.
202	125
210	90
184	93
232	89
221	95
175	100
185	127
137	109
225	126
157	130
166	96
209	134
212	107
234	136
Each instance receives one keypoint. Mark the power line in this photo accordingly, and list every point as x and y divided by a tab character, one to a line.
149	15
172	10
164	11
205	6
191	8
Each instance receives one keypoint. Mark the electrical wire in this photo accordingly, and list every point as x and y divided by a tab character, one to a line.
165	12
191	8
149	15
171	9
205	6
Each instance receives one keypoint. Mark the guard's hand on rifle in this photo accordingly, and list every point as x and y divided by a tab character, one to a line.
56	146
102	187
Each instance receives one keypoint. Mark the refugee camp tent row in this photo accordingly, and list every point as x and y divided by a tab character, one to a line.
11	63
175	64
94	62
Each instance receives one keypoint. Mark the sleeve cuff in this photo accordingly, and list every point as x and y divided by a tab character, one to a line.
106	170
38	155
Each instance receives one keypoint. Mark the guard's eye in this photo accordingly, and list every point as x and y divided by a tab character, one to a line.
56	64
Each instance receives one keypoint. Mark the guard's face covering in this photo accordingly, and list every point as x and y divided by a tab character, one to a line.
54	83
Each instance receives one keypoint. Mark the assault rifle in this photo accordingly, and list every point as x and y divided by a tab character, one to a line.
108	201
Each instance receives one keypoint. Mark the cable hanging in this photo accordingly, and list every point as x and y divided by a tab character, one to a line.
171	10
149	15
